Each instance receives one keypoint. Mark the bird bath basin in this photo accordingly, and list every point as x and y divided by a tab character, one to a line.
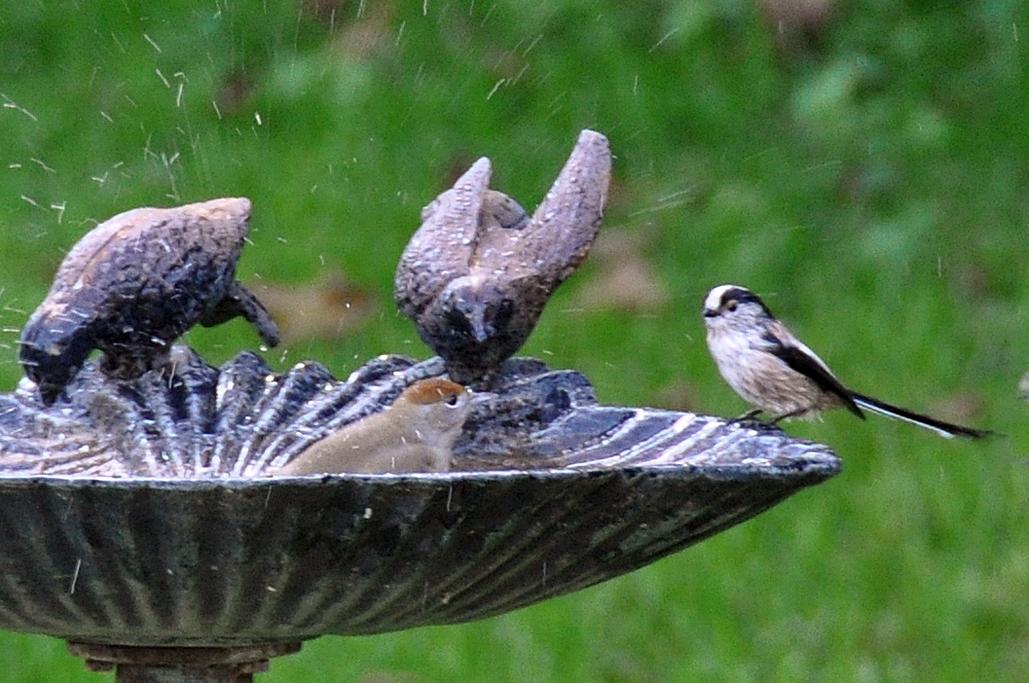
162	532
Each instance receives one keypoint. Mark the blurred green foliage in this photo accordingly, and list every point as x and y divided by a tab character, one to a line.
866	171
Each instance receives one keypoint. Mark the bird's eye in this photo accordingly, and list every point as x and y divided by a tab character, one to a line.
451	400
504	312
731	305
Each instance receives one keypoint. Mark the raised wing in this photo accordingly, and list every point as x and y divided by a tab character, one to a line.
563	228
442	247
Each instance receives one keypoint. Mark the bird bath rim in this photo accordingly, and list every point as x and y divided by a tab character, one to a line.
821	468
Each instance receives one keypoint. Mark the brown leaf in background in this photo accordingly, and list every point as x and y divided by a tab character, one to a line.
361	37
798	25
961	407
327	309
233	93
358	28
972	280
677	395
622	277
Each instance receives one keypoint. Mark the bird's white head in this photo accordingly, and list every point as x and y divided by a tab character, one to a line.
732	307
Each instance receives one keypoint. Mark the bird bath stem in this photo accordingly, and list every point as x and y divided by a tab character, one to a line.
181	664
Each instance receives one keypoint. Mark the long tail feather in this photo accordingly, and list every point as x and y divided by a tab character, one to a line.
944	429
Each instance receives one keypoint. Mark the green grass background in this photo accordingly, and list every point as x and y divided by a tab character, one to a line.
872	185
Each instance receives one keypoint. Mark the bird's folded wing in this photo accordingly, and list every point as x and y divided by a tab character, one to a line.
805	362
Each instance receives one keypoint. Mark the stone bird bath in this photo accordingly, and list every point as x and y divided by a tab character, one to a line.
141	519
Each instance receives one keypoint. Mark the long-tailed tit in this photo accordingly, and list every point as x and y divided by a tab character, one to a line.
774	371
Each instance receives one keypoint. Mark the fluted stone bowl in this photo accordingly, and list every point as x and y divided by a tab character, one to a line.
148	513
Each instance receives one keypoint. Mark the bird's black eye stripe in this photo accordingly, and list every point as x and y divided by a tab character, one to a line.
733	297
738	295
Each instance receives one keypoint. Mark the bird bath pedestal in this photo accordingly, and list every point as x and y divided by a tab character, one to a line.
181	664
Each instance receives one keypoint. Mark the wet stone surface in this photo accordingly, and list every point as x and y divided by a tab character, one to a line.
244	420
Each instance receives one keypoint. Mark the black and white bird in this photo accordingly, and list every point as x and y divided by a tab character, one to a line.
775	372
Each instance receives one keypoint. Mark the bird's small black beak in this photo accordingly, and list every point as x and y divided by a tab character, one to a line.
708	313
481	330
49	394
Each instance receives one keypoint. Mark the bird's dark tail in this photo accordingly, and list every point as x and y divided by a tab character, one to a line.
944	429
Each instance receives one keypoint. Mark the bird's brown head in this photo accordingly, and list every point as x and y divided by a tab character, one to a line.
436	408
435	390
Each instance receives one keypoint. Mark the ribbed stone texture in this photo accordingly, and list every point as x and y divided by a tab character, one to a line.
144	513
